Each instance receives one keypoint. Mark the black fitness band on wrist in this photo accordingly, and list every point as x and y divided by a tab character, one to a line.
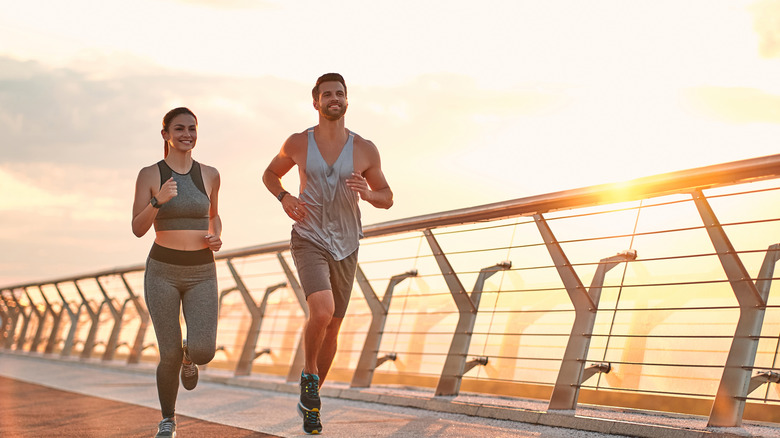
280	196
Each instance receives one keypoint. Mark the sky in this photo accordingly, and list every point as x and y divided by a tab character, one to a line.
469	103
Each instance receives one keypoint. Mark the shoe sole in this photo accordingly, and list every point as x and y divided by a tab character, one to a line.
191	387
183	379
181	372
301	414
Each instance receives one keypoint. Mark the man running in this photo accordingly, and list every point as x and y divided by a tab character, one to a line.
336	168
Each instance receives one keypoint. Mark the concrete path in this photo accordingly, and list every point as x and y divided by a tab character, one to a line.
268	407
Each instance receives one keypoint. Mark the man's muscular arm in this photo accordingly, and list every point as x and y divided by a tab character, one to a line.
279	166
371	184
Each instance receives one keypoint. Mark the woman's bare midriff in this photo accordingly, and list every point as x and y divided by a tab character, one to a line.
182	240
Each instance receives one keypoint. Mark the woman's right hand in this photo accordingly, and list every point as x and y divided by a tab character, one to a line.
167	191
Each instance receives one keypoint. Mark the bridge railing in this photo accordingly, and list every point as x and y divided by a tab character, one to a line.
649	294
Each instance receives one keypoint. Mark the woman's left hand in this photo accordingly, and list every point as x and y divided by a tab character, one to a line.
214	242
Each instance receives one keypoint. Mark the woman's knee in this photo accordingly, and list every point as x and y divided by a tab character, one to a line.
171	357
201	354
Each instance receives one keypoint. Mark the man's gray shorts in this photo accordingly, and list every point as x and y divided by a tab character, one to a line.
318	270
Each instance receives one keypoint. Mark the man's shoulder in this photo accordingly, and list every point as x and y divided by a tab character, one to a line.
297	140
303	135
361	141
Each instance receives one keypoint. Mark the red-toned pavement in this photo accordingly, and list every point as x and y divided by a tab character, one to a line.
29	410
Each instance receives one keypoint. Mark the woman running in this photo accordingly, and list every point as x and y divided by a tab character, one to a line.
178	196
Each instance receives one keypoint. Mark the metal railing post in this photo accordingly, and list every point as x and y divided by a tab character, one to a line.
248	353
456	364
41	316
54	333
4	320
729	404
572	371
21	338
296	366
116	314
138	344
94	316
67	348
13	311
452	377
364	372
468	306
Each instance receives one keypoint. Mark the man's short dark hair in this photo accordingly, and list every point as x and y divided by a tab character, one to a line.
327	77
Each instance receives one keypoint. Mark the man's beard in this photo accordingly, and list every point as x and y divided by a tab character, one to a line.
333	116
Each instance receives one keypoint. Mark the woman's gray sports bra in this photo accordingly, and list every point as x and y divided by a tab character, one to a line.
189	209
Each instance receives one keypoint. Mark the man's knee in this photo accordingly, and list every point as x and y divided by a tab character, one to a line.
321	306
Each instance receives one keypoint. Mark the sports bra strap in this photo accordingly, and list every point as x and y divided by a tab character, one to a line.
197	177
165	171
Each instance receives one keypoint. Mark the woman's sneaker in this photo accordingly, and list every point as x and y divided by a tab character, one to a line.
189	371
166	428
310	403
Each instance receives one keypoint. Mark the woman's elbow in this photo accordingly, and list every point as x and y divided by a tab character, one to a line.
138	230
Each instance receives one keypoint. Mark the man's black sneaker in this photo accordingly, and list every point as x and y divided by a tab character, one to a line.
310	392
310	404
311	420
166	428
189	371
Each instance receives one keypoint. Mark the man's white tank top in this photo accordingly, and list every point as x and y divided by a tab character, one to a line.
333	216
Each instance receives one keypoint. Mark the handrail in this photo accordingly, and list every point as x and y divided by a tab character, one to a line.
683	181
752	169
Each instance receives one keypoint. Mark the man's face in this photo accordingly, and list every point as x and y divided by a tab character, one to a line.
332	100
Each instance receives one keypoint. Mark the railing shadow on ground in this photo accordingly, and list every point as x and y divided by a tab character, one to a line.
672	320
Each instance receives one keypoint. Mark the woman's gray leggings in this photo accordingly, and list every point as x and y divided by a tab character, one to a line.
166	284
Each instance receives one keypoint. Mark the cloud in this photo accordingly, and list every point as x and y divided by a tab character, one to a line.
736	105
231	4
766	23
50	189
61	220
67	116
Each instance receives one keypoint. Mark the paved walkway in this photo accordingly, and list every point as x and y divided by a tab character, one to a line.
52	396
30	410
